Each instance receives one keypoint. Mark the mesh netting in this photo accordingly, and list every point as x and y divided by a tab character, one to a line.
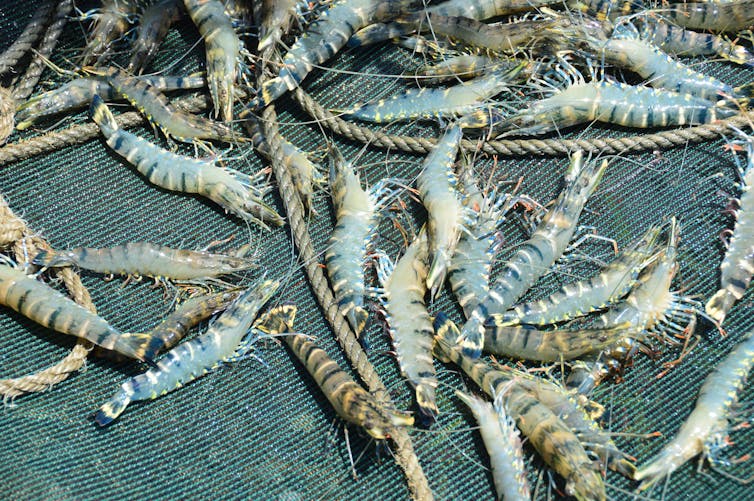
265	430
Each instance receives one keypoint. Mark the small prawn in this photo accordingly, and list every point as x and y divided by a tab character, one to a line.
469	268
78	93
49	308
738	264
583	297
537	254
154	23
556	443
615	103
706	426
176	325
438	103
350	401
455	67
347	247
231	189
409	321
223	48
173	122
194	358
445	213
732	16
503	445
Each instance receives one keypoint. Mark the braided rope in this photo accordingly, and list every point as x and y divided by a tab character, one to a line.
24	86
545	147
12	233
26	40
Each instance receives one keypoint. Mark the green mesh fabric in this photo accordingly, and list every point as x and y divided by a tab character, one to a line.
264	430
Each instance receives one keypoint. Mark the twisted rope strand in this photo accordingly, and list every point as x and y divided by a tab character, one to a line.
26	40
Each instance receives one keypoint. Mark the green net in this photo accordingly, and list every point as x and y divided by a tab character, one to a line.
264	429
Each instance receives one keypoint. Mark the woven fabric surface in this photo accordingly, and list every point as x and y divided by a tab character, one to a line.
264	430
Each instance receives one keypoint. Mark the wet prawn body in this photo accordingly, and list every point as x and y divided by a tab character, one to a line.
276	20
435	103
324	38
713	16
110	24
614	103
409	322
707	425
661	70
347	247
79	93
585	296
49	308
503	445
445	213
737	267
556	443
470	266
175	326
235	191
537	254
350	401
223	48
193	358
172	122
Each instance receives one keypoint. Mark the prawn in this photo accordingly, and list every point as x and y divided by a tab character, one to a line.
438	103
731	16
503	445
174	123
146	259
615	103
223	48
49	308
445	213
537	254
348	245
705	428
79	93
350	401
154	23
194	358
277	17
176	325
556	443
409	321
738	264
231	189
110	23
583	297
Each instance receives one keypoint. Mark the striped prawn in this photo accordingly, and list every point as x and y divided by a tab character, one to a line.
410	325
174	123
546	432
469	268
737	267
194	358
146	259
174	327
445	213
614	103
350	401
111	22
79	93
323	39
449	102
705	430
585	296
235	191
277	17
356	212
537	254
503	444
49	308
223	49
732	16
